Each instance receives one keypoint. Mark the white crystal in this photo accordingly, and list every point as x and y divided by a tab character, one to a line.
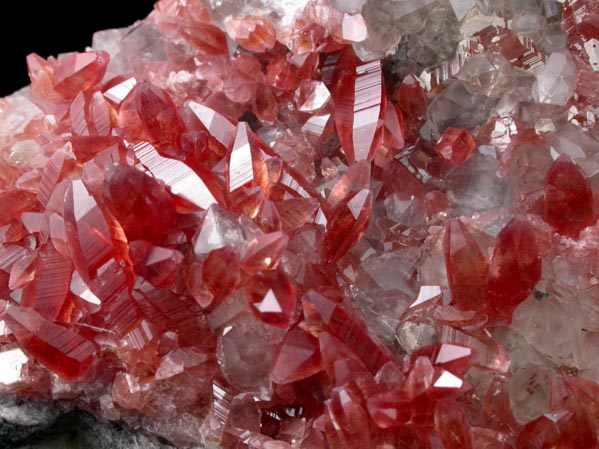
351	6
414	336
592	48
461	7
449	352
16	111
427	292
354	28
245	354
319	96
529	392
110	42
448	380
27	154
474	186
556	80
548	326
219	229
11	365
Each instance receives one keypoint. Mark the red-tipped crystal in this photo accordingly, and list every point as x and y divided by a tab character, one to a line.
321	224
467	267
273	298
296	358
59	348
130	194
48	292
264	252
515	267
455	145
252	33
347	224
360	103
569	206
347	424
389	409
158	116
219	275
87	232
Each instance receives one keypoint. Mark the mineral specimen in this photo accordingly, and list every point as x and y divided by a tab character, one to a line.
322	224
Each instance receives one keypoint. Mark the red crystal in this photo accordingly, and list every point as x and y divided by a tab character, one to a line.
346	424
62	350
389	409
219	276
70	74
296	358
264	252
87	232
273	298
569	206
515	267
455	145
320	311
360	103
208	39
311	225
467	267
160	266
129	194
158	117
347	224
48	291
452	425
411	98
252	33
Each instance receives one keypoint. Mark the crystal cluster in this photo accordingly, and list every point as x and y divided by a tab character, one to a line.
323	224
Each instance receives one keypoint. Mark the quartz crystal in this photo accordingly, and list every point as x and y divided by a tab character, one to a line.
321	224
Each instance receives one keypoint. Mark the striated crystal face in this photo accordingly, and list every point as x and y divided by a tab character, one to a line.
322	224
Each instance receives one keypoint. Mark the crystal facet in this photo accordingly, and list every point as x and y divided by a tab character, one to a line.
312	224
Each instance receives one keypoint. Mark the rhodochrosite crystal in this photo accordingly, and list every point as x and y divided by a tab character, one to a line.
322	224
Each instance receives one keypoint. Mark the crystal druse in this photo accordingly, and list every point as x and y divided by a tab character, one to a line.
322	224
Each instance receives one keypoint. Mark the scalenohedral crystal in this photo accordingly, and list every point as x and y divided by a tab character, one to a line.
323	224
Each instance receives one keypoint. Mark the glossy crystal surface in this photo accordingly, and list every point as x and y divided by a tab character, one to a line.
343	224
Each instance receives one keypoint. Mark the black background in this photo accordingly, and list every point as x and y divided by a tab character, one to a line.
52	27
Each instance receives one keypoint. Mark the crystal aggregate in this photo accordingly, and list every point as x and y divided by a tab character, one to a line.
322	224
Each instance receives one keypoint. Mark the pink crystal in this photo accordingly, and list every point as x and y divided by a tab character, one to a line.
339	224
360	99
467	268
252	33
455	145
515	267
569	206
60	349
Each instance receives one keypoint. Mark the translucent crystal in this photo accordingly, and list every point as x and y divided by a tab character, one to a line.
321	224
556	81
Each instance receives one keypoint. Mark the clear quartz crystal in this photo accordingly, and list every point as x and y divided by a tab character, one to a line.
529	391
556	80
